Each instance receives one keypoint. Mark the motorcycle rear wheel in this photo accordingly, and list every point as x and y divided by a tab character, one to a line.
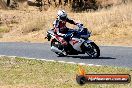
53	43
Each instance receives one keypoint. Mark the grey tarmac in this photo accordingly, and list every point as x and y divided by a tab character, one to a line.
110	55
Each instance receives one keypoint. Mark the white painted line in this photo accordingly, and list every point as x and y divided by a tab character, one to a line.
2	55
98	65
51	60
42	59
71	63
81	63
31	58
90	64
61	61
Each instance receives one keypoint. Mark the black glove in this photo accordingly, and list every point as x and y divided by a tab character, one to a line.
75	33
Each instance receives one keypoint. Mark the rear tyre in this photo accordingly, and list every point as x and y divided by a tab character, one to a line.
92	50
60	54
59	46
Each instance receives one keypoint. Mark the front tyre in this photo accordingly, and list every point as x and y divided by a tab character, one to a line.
92	50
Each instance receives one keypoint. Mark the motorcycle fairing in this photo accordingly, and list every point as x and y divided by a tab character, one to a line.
76	43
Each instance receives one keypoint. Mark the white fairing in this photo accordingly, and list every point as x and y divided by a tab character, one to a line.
76	43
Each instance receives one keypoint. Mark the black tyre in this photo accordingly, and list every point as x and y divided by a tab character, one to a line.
58	45
81	80
92	50
60	54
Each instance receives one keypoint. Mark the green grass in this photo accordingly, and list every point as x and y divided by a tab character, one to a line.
21	73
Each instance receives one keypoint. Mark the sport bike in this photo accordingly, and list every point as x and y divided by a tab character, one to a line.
78	43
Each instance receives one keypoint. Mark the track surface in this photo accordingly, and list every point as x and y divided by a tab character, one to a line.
110	55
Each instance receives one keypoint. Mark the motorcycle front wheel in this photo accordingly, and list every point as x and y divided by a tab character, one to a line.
92	50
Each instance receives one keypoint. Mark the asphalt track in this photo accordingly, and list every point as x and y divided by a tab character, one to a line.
110	55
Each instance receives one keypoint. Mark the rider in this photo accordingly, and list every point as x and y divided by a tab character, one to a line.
60	26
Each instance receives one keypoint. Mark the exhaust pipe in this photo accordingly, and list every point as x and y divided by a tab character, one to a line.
55	49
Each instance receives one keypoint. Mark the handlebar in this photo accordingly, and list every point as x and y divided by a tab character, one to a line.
79	25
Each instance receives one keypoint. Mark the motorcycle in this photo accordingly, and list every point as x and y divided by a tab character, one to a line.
79	43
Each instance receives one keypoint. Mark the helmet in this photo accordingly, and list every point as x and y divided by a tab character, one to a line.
62	15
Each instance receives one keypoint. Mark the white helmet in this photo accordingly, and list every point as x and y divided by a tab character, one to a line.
62	15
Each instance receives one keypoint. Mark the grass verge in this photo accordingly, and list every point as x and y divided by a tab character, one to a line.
25	73
111	26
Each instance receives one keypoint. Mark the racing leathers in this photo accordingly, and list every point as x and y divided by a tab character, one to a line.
61	30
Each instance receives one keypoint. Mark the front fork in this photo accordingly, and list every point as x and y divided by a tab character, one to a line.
85	45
